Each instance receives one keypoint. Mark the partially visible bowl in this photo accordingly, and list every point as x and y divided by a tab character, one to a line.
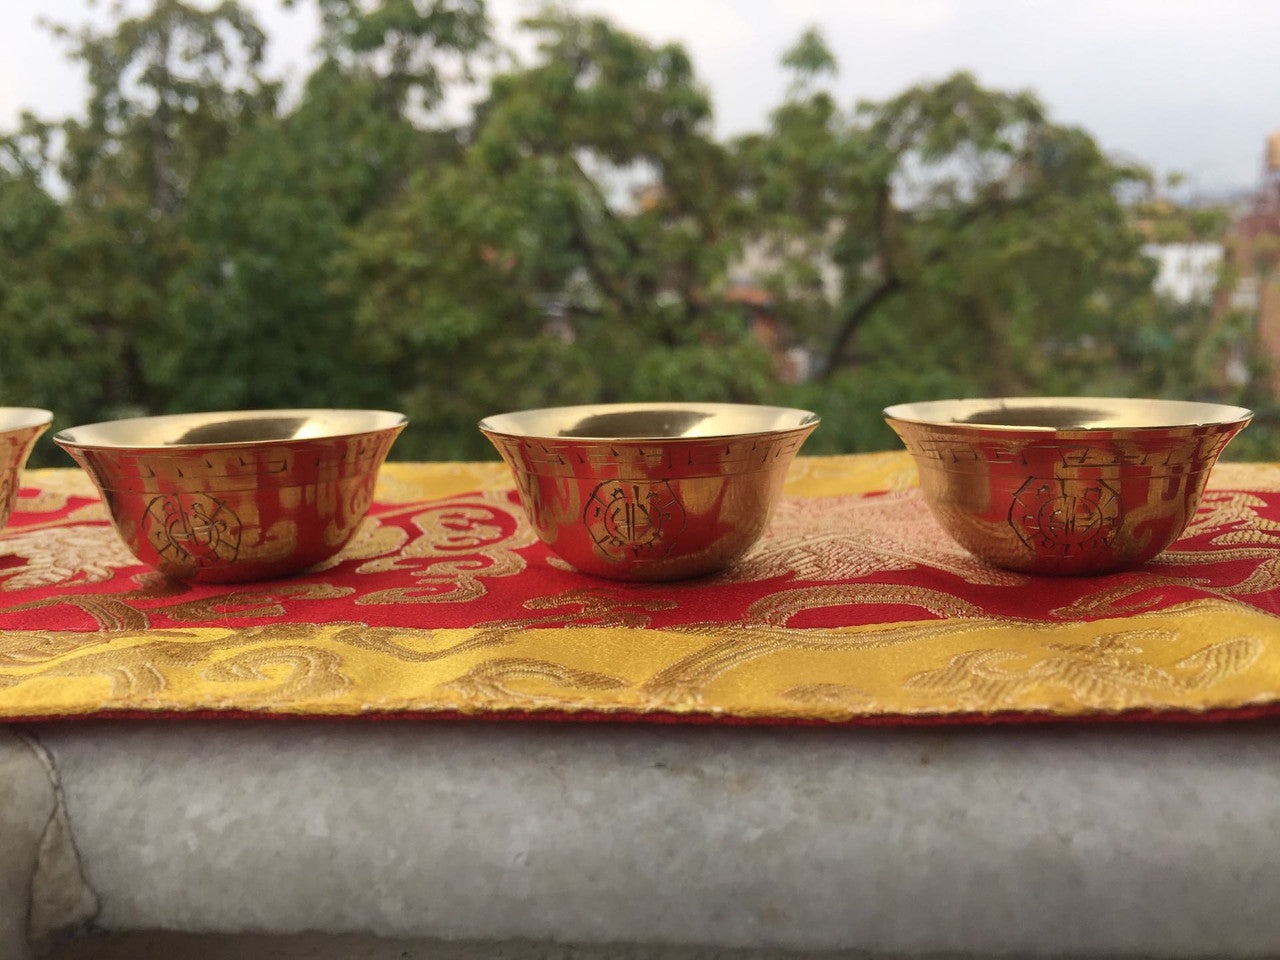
1065	485
248	495
20	428
650	491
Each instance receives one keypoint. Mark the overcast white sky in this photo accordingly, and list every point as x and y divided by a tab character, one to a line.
1184	85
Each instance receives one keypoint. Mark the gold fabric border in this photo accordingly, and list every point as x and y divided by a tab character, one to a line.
1201	656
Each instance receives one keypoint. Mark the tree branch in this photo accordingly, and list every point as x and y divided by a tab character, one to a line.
892	284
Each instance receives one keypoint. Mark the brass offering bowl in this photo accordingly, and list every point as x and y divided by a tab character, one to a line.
650	491
1065	485
249	495
20	428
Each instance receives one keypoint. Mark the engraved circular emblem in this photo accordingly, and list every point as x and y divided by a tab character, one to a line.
1065	517
193	530
634	519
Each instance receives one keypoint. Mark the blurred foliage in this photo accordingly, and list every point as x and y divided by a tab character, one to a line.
198	240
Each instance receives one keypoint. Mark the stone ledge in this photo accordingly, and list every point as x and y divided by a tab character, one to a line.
158	945
1028	841
41	889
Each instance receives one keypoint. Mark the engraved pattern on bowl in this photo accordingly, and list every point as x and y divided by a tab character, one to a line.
20	428
1064	485
676	490
235	496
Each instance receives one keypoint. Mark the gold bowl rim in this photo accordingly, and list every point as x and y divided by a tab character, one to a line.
24	418
120	435
752	419
1118	414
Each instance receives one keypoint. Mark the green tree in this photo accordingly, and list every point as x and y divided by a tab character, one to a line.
205	246
523	275
260	323
411	48
55	354
168	91
979	247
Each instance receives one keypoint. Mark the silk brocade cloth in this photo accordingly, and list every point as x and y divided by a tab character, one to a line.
855	607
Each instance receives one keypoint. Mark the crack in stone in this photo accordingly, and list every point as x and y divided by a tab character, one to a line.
60	900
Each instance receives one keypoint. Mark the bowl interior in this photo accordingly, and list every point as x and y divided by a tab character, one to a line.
649	421
1050	414
23	418
236	428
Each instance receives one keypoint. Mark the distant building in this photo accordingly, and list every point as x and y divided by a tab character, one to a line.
1188	272
1251	255
792	363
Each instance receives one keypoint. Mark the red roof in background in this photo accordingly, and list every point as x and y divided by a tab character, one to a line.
749	295
1256	225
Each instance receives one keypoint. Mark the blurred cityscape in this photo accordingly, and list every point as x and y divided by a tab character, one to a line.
196	239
